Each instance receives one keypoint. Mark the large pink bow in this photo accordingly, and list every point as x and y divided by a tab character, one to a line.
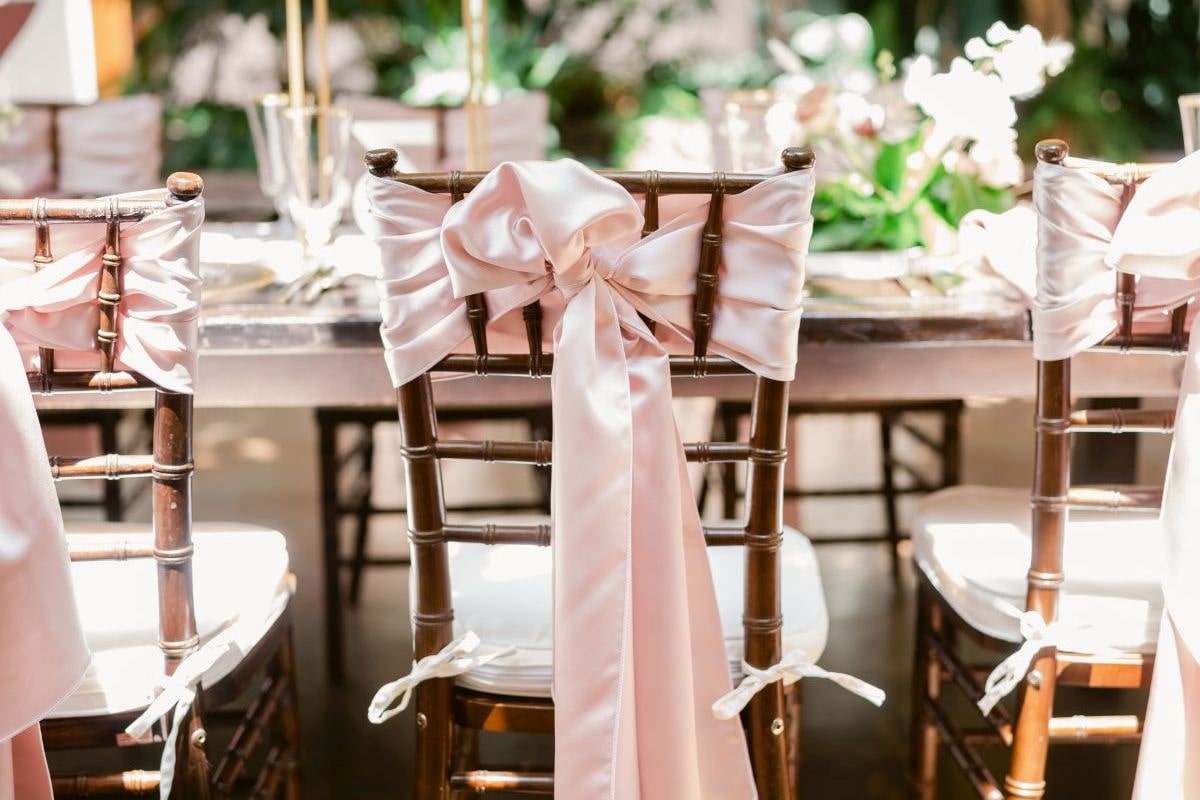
638	650
43	654
1083	236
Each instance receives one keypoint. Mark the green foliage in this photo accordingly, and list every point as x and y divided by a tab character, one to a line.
887	214
588	107
1116	100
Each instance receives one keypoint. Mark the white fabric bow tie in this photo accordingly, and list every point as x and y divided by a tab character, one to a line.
452	660
792	667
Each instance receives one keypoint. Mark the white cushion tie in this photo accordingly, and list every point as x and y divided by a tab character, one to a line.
1038	635
791	668
179	692
1012	670
452	660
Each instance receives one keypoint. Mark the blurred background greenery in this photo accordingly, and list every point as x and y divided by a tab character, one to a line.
1117	99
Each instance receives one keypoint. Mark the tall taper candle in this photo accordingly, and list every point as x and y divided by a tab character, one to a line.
295	53
321	39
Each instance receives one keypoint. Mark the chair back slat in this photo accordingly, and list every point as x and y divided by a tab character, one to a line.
477	310
706	275
650	214
109	295
532	314
650	223
43	254
1178	325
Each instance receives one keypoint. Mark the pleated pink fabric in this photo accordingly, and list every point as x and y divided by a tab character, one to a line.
1082	237
43	654
638	652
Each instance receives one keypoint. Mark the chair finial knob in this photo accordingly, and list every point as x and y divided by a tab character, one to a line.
1052	151
381	162
797	158
185	186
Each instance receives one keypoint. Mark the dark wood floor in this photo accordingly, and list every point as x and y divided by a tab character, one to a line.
261	467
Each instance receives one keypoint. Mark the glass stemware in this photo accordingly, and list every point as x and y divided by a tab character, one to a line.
314	145
1189	113
263	116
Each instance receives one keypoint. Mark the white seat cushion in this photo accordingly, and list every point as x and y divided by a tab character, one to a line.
240	575
973	543
503	594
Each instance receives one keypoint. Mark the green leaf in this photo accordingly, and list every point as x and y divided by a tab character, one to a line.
846	233
546	66
891	165
966	194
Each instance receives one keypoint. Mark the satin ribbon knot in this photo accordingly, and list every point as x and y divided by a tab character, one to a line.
794	666
176	698
452	660
570	281
1037	636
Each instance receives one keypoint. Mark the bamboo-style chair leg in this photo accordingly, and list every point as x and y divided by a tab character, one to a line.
541	428
886	421
289	717
192	768
927	687
114	509
363	514
730	421
1026	778
793	704
466	757
435	740
335	657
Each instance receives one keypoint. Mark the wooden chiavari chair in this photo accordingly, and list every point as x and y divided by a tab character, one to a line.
348	478
899	476
762	616
186	591
963	573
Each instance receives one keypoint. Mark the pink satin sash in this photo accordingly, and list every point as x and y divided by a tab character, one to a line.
1083	236
638	651
98	149
43	653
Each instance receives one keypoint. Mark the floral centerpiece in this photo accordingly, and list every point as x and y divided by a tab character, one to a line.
905	151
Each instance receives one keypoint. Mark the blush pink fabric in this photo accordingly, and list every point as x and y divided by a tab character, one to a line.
100	149
638	652
42	650
110	145
1083	236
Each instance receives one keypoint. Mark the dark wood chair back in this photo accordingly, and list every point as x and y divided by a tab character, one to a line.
765	452
1056	420
1053	496
169	465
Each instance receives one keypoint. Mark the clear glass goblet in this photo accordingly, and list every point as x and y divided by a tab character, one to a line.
315	144
1189	113
263	115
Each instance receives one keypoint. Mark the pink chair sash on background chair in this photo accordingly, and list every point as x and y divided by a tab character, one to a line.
638	654
83	150
43	654
1086	232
